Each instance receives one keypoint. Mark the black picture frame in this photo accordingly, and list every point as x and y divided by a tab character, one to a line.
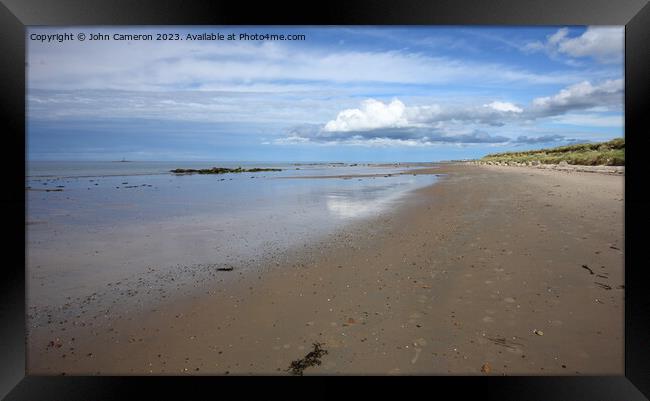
15	15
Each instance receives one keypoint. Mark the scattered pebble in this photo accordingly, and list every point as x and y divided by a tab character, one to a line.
486	368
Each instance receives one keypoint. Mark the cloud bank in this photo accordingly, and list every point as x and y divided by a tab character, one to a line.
183	65
377	123
581	96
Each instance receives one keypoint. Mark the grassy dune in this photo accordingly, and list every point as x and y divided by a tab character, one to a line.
611	153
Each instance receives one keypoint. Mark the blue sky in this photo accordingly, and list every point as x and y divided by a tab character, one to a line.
342	94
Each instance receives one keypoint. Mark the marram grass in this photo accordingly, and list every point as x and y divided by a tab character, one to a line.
611	153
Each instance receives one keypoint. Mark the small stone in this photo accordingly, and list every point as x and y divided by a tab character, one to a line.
486	368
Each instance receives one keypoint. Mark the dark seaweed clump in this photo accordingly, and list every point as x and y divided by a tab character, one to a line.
221	170
311	359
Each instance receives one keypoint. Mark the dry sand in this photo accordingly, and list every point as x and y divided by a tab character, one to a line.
493	270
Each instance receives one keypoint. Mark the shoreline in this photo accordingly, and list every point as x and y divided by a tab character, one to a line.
565	167
461	277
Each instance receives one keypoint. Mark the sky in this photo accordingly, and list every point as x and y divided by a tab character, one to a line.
358	94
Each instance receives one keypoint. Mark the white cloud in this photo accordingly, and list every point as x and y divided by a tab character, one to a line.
504	106
381	124
377	115
558	36
372	114
582	95
604	44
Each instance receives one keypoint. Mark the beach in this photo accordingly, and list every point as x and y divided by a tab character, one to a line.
489	270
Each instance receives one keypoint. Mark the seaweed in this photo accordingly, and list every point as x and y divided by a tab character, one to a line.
311	359
603	286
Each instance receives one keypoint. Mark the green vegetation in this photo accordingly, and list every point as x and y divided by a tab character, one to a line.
221	170
611	153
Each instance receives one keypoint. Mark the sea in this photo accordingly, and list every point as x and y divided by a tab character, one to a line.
90	224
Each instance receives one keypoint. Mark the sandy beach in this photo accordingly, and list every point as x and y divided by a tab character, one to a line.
492	270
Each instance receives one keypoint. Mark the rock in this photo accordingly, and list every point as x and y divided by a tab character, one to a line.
221	170
538	332
486	368
563	163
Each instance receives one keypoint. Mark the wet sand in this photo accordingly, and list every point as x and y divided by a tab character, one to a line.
493	270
